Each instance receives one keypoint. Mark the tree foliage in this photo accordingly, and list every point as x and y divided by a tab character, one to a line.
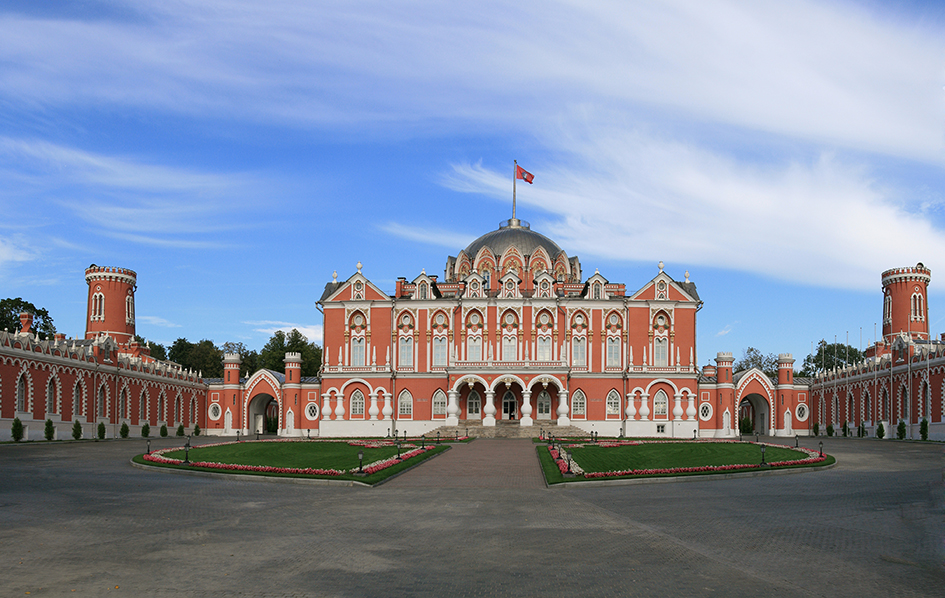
203	356
753	358
158	351
248	358
272	356
828	356
10	310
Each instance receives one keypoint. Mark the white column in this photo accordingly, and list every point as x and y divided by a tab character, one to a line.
677	406
373	410
631	406
489	409
563	419
452	408
326	407
645	407
340	406
526	408
691	409
387	411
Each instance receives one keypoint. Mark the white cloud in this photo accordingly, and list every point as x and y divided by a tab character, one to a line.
724	331
428	235
156	321
16	249
313	332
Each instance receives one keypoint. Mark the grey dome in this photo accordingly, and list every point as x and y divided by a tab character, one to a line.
515	233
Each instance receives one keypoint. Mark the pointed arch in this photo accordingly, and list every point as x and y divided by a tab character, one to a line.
405	405
439	403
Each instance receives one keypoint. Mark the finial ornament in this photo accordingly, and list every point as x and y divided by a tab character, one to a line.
334	276
661	265
423	271
359	266
687	275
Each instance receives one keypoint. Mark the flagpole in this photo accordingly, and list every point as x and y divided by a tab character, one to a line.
514	176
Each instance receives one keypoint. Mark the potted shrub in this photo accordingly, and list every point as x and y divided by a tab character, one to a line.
76	430
49	432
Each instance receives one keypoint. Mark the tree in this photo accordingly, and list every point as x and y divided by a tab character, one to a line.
272	356
76	430
828	356
753	358
10	310
202	357
158	351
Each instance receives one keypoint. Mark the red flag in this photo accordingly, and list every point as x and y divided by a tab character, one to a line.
521	173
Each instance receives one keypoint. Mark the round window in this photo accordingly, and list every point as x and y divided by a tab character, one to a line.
661	286
510	285
358	320
358	286
440	318
509	319
579	319
405	320
215	411
705	411
544	284
614	319
801	412
474	319
544	319
660	321
474	285
311	411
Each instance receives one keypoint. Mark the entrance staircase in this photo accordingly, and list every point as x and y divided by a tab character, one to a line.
504	429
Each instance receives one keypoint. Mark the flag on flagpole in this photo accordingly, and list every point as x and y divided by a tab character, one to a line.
521	173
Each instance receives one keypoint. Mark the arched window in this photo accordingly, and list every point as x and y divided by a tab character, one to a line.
509	348
579	354
123	403
21	394
474	348
597	291
100	403
613	403
161	404
357	404
51	397
405	358
661	352
578	403
886	406
357	352
613	352
544	405
543	349
473	405
142	406
78	405
439	351
130	309
660	404
439	403
422	291
405	405
887	308
178	408
867	407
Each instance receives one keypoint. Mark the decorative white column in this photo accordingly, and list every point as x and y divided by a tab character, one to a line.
645	407
691	409
326	407
677	406
489	410
563	419
631	406
387	411
339	406
452	409
373	410
527	408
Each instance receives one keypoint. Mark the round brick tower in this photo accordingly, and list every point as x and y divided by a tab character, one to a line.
111	307
905	304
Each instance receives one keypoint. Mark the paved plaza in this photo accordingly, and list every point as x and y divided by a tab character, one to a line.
476	521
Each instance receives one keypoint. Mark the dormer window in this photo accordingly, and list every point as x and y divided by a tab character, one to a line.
422	291
597	291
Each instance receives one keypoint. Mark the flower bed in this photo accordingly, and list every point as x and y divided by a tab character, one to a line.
812	457
158	456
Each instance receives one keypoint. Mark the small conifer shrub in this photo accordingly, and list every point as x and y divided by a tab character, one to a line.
880	431
901	430
49	432
16	429
163	430
180	430
101	430
145	430
123	431
76	430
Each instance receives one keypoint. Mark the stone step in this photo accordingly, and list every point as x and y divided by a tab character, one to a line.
504	429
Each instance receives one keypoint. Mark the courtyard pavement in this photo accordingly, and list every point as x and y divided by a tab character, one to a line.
78	520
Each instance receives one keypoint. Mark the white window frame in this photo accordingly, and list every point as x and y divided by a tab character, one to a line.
579	404
405	405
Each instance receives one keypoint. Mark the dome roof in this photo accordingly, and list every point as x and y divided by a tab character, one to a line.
513	233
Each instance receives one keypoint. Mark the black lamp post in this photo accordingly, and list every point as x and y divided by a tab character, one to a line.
757	438
187	452
694	432
795	441
821	448
423	441
361	461
438	437
398	451
149	446
237	436
467	432
567	460
405	435
762	455
257	434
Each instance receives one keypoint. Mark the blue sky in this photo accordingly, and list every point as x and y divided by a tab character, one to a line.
235	154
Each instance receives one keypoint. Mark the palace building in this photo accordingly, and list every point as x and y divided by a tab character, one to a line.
513	334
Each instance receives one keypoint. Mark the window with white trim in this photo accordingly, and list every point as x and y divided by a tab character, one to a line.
473	404
439	351
21	392
578	403
660	404
439	403
613	403
474	348
357	352
543	351
405	404
405	357
509	348
579	354
613	352
51	397
78	405
661	352
357	404
100	403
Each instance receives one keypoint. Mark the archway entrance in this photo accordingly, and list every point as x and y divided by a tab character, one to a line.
753	414
263	414
509	405
543	406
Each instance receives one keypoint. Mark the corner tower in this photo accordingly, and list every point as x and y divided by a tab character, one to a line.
905	304
111	307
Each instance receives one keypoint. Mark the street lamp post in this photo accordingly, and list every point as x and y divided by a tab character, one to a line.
361	461
763	455
821	448
187	452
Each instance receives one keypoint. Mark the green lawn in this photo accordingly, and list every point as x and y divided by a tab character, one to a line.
666	455
320	455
